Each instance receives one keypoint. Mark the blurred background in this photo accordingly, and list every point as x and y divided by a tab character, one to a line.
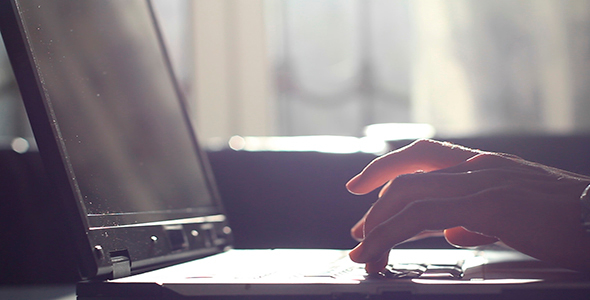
502	75
304	67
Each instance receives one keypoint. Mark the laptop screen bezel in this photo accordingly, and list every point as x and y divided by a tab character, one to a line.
96	261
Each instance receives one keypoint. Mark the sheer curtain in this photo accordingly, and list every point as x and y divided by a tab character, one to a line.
501	66
465	66
339	65
306	67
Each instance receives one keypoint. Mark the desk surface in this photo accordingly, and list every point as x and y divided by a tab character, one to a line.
38	292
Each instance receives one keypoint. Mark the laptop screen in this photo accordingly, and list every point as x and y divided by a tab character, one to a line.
123	132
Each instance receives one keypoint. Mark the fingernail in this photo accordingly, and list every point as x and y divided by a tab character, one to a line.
351	185
351	182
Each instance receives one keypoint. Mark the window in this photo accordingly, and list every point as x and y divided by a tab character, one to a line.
467	67
306	67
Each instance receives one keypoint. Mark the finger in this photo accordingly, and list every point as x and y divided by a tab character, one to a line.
412	187
461	237
505	168
358	230
485	160
384	188
419	216
371	267
379	265
358	233
425	155
425	234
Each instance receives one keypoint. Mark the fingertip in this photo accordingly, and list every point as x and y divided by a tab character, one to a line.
362	184
360	256
350	184
353	185
376	267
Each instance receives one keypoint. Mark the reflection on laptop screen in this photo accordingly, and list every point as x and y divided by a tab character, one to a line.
124	132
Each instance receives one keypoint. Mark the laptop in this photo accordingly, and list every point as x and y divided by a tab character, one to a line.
114	135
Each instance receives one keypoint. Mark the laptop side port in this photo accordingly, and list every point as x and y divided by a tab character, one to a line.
176	237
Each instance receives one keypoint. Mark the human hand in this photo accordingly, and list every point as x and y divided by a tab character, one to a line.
476	197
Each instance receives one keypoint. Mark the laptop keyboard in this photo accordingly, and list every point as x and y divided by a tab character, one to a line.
397	271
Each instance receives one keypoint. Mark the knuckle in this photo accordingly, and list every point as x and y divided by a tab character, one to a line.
492	159
432	148
405	181
425	144
510	156
404	178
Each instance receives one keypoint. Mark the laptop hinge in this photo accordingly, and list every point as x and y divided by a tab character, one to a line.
121	265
